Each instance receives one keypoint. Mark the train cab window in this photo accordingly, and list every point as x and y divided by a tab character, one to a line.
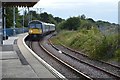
38	25
32	25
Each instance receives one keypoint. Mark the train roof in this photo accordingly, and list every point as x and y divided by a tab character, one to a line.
42	22
34	21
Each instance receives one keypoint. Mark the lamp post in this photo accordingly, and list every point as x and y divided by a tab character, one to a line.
14	22
1	32
28	15
4	13
23	20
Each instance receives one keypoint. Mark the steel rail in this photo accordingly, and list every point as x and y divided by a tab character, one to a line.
68	65
116	66
89	57
117	76
51	69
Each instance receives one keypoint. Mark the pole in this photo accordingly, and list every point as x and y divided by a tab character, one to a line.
31	16
14	23
28	15
23	20
1	37
40	11
4	10
1	32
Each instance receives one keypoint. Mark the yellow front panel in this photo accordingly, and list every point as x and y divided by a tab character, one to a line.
35	31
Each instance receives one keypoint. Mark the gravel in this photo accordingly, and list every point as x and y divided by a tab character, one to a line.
90	71
94	62
50	60
67	72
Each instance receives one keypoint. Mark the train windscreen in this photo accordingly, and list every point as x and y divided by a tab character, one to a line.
35	25
31	25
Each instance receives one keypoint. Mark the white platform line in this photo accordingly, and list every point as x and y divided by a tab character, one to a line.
55	72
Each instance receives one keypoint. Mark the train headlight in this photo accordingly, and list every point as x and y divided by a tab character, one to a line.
30	31
40	31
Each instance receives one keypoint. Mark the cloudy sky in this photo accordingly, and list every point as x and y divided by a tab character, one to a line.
106	10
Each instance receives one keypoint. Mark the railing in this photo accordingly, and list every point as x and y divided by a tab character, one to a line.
10	31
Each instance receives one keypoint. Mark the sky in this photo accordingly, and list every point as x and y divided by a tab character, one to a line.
106	10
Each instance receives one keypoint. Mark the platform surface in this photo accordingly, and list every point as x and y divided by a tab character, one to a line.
12	67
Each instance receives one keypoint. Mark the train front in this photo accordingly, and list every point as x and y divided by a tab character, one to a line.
35	30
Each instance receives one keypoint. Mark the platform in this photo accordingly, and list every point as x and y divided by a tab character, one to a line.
17	62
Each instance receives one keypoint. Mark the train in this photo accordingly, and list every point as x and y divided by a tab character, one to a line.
37	29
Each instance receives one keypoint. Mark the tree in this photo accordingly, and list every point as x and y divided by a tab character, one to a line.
58	20
9	17
91	20
71	23
34	15
18	20
103	23
86	25
44	17
48	18
83	16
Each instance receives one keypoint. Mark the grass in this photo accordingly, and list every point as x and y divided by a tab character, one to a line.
91	42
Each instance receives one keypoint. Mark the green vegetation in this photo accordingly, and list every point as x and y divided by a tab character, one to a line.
83	34
75	23
70	24
9	18
98	39
45	17
92	42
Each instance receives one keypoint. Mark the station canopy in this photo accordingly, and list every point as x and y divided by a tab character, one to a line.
20	3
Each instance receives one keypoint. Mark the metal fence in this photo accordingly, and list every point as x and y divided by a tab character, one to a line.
12	31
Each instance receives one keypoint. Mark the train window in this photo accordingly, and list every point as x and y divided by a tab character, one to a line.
32	25
38	25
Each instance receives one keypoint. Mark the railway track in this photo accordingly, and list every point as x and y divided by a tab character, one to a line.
73	67
73	70
81	61
116	66
114	70
82	54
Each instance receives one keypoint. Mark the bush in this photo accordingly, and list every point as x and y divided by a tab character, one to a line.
92	42
71	23
117	54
